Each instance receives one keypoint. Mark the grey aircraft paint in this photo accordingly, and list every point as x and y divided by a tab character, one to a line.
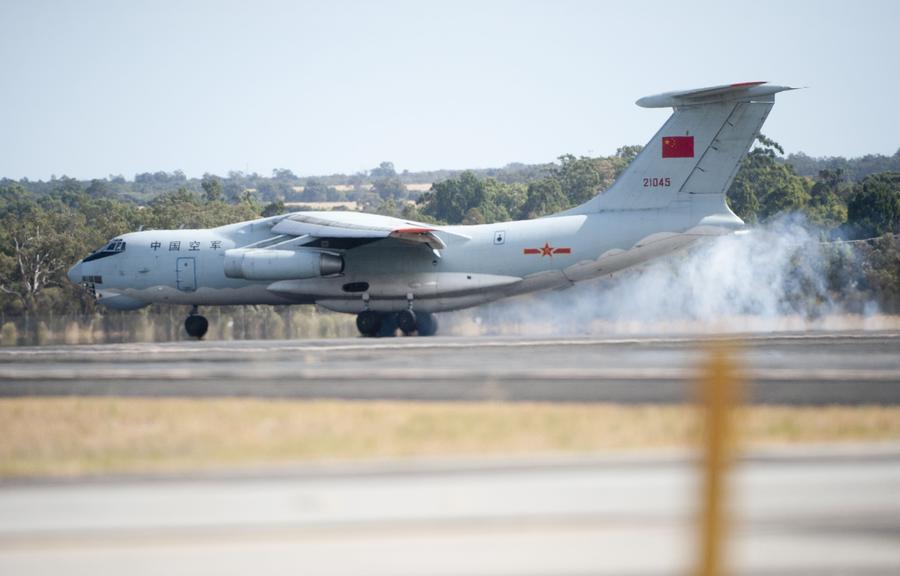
671	195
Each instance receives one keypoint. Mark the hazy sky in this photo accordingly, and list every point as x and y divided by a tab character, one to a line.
91	88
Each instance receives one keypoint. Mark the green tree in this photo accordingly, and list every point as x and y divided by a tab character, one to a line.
578	178
273	190
451	199
384	170
503	201
283	174
826	206
35	251
98	189
273	209
628	153
183	209
315	190
388	207
248	198
474	216
874	206
15	200
544	197
212	188
386	183
764	187
411	212
882	272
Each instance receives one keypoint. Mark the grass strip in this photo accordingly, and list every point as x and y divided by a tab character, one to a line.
68	436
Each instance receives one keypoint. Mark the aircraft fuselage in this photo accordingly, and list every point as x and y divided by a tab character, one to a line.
496	260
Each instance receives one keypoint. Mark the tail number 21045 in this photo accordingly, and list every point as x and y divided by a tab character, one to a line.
657	182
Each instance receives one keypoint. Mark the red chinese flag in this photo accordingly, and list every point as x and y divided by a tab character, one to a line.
678	147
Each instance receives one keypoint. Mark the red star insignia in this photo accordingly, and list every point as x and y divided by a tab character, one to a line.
546	250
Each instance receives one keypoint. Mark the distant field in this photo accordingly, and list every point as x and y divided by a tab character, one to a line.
416	187
323	205
74	436
348	205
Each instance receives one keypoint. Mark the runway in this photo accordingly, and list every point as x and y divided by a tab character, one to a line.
816	368
823	511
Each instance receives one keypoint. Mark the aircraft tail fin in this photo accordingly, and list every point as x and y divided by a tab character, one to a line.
695	155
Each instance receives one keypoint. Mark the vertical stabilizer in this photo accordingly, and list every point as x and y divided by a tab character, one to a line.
695	155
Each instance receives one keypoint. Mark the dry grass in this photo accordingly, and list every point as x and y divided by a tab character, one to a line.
70	436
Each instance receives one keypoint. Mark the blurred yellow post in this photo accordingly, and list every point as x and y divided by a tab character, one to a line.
720	388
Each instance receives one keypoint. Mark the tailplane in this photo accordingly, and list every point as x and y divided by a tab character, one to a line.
693	158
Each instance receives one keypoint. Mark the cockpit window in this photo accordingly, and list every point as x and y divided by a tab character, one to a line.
114	247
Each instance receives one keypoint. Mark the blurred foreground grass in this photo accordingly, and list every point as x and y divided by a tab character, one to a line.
73	436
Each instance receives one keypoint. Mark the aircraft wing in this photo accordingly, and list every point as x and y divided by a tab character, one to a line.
357	225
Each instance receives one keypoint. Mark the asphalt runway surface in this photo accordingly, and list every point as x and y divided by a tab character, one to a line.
800	511
815	368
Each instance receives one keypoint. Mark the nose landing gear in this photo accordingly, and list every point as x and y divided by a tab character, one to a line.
195	324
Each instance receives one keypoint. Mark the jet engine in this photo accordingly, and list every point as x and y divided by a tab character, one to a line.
263	264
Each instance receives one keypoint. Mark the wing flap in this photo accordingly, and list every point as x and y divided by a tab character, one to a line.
420	236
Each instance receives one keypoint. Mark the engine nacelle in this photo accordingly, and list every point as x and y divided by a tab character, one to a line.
263	264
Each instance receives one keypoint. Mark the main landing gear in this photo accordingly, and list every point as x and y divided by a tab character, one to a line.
379	324
196	325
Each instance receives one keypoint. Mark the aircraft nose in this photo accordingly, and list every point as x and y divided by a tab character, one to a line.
75	273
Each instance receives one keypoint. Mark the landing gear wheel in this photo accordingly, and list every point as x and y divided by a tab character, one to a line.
406	321
368	323
426	323
196	326
388	326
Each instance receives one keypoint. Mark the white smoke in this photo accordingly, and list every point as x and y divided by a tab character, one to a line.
773	277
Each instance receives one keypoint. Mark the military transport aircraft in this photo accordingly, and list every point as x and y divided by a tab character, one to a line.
393	273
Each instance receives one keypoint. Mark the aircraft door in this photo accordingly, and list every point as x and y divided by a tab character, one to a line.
186	274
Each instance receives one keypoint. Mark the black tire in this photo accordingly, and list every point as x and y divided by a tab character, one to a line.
406	321
388	326
368	323
196	326
427	324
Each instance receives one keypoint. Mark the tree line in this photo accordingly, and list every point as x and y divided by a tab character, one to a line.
764	187
47	226
384	181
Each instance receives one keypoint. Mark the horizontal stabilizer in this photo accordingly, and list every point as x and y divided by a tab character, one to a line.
741	92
